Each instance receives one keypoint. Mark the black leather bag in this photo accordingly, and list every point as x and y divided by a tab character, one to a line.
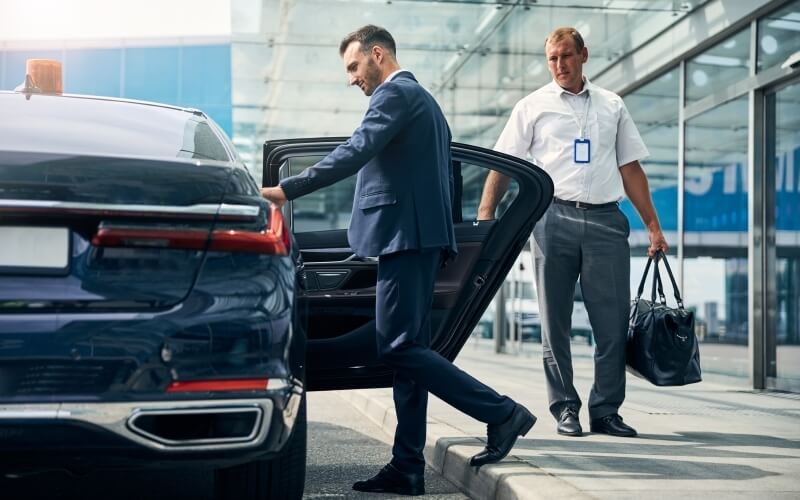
662	346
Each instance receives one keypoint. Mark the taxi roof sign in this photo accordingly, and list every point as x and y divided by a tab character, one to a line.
42	76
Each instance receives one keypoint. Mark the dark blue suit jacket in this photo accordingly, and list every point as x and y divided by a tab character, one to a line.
404	190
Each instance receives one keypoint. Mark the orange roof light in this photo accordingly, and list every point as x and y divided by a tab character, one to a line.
42	76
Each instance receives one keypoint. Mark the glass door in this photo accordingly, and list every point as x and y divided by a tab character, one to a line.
715	222
782	127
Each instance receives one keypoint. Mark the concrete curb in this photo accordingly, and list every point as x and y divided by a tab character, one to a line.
448	451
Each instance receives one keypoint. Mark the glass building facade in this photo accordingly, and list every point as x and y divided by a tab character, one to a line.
729	124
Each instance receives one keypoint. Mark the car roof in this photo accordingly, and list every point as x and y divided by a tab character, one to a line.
95	125
110	100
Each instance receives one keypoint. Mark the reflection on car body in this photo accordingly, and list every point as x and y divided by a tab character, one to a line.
522	308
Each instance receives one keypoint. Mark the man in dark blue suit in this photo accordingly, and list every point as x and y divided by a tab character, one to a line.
402	213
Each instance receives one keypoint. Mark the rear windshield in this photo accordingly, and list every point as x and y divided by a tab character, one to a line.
91	126
111	180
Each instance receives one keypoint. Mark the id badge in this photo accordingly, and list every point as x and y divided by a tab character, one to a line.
581	151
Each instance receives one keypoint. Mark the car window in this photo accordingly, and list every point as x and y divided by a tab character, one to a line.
200	141
473	177
325	209
329	208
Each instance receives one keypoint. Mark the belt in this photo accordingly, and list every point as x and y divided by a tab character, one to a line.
585	206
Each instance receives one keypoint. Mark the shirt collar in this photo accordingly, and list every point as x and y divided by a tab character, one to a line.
393	74
560	90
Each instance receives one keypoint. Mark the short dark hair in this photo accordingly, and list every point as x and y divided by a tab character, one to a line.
559	34
368	36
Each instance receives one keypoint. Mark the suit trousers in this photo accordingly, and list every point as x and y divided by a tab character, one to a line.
403	323
570	243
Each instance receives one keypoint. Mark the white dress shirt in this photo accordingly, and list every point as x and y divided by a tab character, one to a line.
544	125
393	74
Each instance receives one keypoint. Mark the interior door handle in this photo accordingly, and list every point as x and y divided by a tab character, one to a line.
331	279
351	258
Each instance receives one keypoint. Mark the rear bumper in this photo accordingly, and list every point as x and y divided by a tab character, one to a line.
92	435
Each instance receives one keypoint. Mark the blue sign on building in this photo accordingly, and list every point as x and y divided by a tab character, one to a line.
716	200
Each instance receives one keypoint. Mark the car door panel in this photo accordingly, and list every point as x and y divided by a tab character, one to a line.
339	301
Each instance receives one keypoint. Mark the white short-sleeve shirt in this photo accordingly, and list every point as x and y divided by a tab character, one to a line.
544	125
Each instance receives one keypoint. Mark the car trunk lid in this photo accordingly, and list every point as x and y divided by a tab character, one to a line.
108	233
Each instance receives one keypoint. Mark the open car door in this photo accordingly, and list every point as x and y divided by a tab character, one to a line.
337	304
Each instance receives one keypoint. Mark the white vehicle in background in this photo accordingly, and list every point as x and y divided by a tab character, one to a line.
522	307
522	313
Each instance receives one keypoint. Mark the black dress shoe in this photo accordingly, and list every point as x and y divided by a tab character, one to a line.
391	480
613	425
568	423
501	437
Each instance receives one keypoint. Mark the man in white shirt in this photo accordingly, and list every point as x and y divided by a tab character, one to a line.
584	138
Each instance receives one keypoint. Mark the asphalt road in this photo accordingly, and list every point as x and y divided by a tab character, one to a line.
343	447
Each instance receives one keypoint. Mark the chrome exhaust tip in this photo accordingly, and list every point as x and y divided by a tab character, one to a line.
188	427
169	426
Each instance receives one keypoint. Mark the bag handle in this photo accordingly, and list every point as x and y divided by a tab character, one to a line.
672	279
644	278
657	282
634	314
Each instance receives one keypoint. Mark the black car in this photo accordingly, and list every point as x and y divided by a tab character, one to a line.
155	311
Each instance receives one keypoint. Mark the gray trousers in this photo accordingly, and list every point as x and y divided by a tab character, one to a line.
591	245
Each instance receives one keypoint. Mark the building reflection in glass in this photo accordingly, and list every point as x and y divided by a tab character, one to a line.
715	237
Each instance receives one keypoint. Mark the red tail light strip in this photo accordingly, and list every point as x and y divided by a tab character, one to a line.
151	238
274	240
246	384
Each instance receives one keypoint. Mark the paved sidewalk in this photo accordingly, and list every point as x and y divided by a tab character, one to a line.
700	441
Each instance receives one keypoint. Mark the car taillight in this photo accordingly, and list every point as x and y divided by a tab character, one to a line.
273	239
246	384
